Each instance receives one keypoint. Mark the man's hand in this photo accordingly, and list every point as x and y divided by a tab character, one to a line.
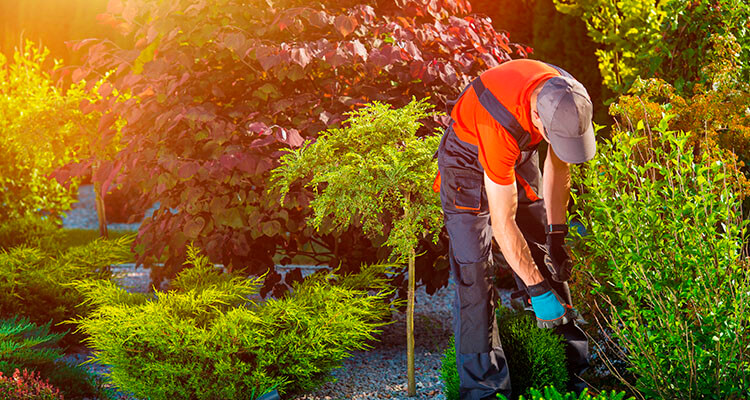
558	260
549	309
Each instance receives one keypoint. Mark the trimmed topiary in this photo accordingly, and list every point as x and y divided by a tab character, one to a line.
536	357
449	371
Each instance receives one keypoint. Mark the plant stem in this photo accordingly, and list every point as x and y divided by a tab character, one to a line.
100	210
412	387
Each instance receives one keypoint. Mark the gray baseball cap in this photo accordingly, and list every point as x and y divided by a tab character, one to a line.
565	109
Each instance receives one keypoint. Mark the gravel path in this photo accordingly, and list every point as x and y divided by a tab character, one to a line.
83	214
381	372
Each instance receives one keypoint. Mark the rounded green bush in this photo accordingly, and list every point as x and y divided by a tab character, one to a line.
536	357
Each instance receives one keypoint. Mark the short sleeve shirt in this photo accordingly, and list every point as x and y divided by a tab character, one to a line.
512	83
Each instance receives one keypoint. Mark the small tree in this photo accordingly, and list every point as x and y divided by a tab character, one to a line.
375	173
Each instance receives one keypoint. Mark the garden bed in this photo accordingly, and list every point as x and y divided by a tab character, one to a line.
379	373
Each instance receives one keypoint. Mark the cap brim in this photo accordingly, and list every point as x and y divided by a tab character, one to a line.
574	150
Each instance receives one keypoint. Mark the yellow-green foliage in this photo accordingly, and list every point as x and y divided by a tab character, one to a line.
205	340
375	173
717	115
37	284
666	258
41	129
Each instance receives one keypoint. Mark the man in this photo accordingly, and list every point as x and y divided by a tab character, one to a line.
490	176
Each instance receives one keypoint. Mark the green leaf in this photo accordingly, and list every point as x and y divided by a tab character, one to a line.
145	56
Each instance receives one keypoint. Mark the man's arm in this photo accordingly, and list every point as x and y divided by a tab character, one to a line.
503	202
556	188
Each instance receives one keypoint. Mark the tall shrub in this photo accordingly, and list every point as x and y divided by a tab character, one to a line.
665	39
41	129
716	115
664	255
205	339
216	102
375	173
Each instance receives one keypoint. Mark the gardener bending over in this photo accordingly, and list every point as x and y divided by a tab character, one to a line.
490	173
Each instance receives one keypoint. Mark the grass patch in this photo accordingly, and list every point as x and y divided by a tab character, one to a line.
80	237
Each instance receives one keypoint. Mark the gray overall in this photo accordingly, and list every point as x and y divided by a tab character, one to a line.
481	363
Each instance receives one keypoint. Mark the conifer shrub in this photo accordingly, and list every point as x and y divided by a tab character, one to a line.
28	346
27	386
449	371
206	339
37	284
536	357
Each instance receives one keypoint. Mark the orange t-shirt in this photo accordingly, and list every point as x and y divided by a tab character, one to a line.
512	83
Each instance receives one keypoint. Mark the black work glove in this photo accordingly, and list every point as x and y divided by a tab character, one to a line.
558	259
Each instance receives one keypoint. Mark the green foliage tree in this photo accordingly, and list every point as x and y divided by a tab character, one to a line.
627	30
375	173
689	33
206	338
214	104
664	39
665	258
41	129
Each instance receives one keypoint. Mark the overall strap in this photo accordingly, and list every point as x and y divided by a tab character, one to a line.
498	111
501	114
451	103
561	71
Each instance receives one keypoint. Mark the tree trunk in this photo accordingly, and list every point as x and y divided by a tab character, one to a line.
412	387
100	210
